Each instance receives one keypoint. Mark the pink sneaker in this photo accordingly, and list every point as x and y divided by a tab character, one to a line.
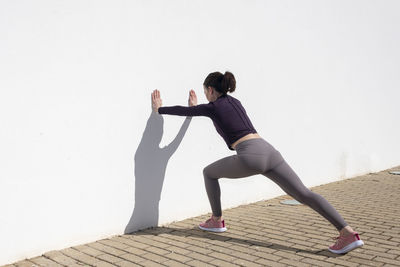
345	244
213	226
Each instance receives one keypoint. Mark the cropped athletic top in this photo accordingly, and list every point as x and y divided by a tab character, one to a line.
226	112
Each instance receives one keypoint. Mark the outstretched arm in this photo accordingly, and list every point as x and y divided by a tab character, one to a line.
192	110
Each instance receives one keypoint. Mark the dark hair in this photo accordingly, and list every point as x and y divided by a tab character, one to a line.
223	83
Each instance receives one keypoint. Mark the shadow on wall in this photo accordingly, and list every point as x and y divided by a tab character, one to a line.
150	165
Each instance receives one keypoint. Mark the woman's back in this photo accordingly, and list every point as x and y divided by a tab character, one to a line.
227	113
230	119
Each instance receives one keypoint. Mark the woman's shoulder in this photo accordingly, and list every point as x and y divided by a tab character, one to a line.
226	100
227	96
232	98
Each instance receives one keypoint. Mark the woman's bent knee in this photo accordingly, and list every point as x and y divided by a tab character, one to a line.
207	172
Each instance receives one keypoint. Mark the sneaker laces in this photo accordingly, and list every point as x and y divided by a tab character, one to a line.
338	239
209	220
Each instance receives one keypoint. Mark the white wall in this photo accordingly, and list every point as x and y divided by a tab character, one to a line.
319	79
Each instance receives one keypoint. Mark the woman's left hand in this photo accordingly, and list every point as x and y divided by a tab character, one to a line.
156	101
192	101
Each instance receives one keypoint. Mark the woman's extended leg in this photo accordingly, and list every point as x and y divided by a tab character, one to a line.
287	179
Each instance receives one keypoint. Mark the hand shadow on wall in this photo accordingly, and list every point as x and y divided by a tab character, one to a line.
150	165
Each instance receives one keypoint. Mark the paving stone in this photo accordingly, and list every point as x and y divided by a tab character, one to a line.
204	251
341	262
157	250
151	264
266	262
154	257
197	263
45	262
223	263
126	264
294	263
132	258
79	256
107	249
113	243
109	258
387	261
177	257
222	256
315	262
246	263
26	263
134	251
103	264
179	250
201	257
174	263
89	250
61	258
362	262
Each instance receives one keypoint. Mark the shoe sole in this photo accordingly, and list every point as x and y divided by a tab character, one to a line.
349	247
216	230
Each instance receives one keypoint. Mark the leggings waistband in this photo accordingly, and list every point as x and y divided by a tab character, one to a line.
254	144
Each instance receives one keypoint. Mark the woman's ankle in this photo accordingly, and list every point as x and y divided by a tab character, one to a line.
346	230
217	218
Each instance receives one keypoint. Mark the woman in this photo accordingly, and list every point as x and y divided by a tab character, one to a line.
254	155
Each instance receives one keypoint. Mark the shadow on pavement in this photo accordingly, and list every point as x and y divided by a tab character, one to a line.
195	232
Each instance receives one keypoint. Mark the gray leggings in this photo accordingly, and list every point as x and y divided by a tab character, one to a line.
257	156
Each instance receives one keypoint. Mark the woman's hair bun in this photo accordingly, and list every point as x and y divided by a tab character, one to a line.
228	83
223	83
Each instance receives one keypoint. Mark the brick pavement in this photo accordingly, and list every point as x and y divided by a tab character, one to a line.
273	234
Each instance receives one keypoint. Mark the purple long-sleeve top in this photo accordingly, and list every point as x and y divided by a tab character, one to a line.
227	113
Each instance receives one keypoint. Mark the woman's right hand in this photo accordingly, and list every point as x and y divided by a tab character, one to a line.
156	101
192	98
